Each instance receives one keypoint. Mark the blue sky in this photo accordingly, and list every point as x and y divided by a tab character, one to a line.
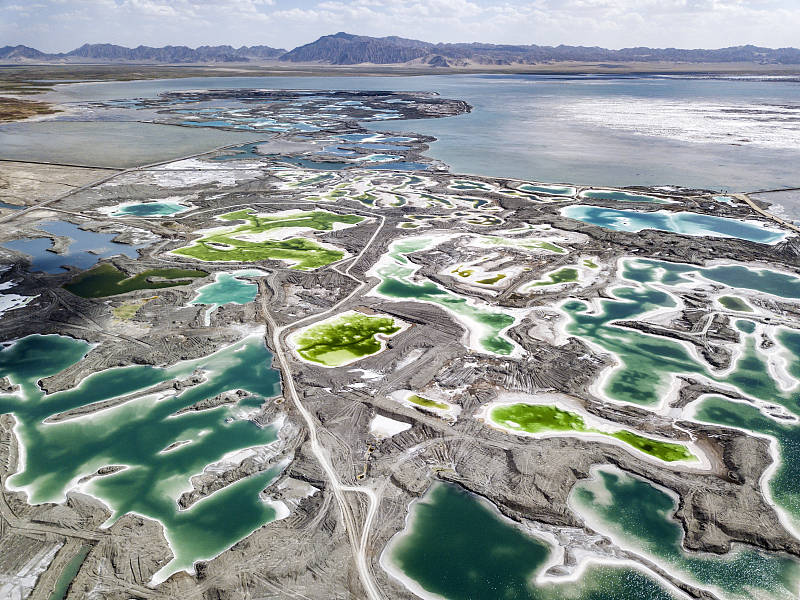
60	25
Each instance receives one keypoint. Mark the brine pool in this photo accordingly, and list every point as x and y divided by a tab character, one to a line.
228	288
158	449
457	546
687	223
646	365
485	324
86	248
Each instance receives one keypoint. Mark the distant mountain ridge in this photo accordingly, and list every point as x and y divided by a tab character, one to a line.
346	49
166	54
349	49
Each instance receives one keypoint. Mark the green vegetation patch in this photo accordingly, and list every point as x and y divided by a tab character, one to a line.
127	311
106	280
343	339
525	244
492	280
735	303
227	244
541	418
425	402
589	263
563	275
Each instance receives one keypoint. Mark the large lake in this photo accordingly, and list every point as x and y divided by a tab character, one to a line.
724	134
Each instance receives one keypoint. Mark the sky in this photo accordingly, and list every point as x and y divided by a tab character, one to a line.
61	25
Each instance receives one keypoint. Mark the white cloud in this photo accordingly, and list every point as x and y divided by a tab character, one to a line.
287	23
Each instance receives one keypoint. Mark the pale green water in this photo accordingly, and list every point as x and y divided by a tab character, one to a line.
396	273
639	517
228	288
135	433
556	190
151	209
68	574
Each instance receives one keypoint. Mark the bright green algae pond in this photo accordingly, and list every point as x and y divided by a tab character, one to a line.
106	280
425	402
457	547
226	243
135	433
492	280
343	339
639	516
541	418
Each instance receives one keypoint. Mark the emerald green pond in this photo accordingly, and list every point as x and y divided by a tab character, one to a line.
639	516
150	209
647	362
106	280
783	485
135	433
396	273
457	547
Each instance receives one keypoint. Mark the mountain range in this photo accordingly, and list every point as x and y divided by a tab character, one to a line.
348	49
144	54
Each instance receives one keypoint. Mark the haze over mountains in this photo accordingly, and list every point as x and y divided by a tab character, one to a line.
348	49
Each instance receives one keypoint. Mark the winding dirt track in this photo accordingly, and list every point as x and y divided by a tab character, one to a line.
323	457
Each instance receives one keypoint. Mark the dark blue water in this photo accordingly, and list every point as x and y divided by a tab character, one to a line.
78	253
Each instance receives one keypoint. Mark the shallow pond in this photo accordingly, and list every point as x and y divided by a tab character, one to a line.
86	249
150	209
456	547
135	434
621	196
686	223
639	516
484	322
